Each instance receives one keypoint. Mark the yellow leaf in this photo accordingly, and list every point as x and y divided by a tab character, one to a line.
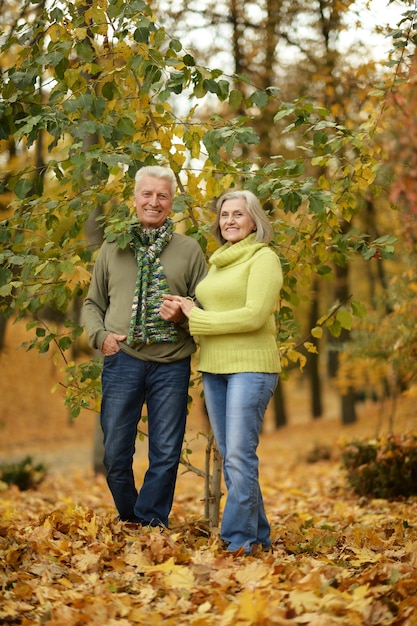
364	555
168	566
164	139
57	33
310	347
98	19
137	559
304	600
86	561
252	606
181	578
256	574
81	33
317	332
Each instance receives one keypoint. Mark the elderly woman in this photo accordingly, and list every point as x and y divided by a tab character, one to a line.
239	357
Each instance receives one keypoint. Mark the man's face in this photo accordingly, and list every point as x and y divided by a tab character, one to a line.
153	201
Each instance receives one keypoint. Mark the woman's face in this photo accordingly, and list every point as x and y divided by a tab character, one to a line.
234	220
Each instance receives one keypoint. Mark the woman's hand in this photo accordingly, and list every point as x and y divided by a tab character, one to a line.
185	304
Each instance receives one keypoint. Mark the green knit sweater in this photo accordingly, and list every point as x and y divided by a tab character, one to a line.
239	296
108	305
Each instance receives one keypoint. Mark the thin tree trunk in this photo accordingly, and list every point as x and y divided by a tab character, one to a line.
280	412
348	408
212	483
313	360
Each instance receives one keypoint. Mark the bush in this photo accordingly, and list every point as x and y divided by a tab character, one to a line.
23	474
385	467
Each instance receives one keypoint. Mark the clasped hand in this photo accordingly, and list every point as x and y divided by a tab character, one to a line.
177	303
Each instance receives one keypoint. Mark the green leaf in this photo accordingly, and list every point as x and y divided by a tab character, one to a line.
5	276
64	343
141	34
126	126
188	60
6	290
211	86
344	318
291	201
281	114
176	45
235	99
260	98
317	204
74	411
358	309
85	51
176	82
110	90
334	327
22	188
100	170
124	240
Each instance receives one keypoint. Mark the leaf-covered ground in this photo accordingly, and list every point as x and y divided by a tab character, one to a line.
336	559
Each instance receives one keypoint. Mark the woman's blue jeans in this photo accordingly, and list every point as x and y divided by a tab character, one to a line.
127	383
236	404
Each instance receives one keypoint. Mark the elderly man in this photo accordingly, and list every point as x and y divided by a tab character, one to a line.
146	346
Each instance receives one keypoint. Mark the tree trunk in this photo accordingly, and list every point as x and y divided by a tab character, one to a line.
212	483
313	361
280	412
348	409
98	449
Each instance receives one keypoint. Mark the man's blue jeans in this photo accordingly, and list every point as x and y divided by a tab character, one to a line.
236	404
127	383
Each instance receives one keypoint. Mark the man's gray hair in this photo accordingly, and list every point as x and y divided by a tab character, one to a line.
157	171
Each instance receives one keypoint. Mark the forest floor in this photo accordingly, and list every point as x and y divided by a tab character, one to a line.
336	559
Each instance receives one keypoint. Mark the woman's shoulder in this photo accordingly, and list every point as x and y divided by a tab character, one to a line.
267	252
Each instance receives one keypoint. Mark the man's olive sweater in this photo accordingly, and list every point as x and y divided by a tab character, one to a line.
108	305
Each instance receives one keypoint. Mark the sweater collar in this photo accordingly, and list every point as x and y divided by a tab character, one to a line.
239	252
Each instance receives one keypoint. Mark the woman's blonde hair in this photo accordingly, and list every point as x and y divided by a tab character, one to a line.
264	230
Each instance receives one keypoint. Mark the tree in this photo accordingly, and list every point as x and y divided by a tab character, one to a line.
385	346
296	48
98	87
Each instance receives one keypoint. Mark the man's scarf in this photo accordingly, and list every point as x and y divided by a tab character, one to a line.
146	325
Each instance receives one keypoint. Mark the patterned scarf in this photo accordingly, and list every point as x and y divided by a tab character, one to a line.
146	325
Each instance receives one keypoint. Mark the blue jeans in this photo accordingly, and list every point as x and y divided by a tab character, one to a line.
236	404
127	383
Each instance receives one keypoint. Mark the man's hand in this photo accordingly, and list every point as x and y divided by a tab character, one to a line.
111	344
170	310
184	304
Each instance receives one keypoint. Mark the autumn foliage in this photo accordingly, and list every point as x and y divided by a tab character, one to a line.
336	559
